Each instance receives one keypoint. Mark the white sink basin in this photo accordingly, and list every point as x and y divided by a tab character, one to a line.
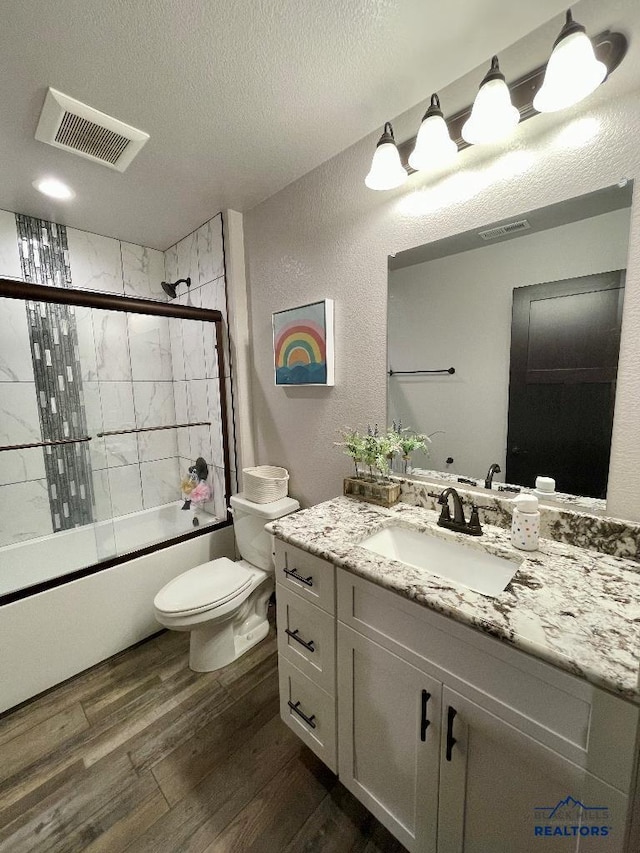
471	567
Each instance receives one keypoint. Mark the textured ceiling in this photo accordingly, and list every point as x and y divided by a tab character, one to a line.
240	98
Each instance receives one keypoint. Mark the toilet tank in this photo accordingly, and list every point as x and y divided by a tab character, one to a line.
249	519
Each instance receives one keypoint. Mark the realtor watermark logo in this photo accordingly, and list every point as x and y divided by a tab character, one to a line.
571	818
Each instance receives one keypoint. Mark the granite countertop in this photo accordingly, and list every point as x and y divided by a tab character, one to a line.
575	608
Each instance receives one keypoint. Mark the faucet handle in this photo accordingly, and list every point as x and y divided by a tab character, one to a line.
474	521
445	514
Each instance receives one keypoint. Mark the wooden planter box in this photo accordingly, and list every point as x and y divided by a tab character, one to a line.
383	494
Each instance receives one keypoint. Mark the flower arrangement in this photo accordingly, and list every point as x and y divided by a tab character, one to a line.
374	451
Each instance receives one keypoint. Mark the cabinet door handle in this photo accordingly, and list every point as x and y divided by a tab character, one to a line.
294	574
295	636
424	723
295	706
451	713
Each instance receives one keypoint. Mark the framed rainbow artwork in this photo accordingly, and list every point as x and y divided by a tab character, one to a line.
303	344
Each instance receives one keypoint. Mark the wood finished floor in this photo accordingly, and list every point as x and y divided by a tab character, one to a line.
140	754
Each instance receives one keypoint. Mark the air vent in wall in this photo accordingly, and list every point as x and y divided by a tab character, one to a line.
504	230
73	126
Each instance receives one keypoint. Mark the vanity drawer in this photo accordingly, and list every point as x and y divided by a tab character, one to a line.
560	710
307	638
309	576
309	712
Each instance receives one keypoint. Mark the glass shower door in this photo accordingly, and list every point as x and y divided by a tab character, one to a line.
111	435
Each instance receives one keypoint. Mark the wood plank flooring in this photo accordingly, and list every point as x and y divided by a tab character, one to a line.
140	754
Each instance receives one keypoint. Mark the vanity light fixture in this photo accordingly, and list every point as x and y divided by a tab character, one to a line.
387	171
434	147
573	72
576	67
493	116
54	188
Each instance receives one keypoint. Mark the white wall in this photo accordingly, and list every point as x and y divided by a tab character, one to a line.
456	311
326	235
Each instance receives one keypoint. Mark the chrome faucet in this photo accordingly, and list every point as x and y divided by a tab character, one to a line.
493	469
458	523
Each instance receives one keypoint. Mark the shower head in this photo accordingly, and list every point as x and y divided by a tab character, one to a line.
170	289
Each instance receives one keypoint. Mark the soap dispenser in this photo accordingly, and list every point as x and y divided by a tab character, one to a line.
525	523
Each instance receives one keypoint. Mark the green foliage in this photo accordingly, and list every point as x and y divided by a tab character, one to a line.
375	450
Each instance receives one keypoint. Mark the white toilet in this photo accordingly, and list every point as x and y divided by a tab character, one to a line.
224	604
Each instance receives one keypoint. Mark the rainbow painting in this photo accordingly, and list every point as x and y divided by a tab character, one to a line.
303	344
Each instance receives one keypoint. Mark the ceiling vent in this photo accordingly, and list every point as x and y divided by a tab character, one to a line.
73	126
504	230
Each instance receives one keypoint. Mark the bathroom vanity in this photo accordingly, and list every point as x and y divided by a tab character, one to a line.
464	723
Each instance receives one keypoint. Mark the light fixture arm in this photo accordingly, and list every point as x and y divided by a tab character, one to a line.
494	73
387	134
570	27
610	48
434	108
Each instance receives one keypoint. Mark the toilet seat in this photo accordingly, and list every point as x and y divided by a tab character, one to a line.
203	588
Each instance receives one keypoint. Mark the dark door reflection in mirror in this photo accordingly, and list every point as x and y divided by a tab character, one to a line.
565	338
537	398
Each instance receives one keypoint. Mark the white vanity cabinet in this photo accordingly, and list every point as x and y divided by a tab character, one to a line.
389	738
497	784
455	741
514	735
305	597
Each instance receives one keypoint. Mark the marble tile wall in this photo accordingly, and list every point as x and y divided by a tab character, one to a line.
200	256
133	389
24	501
118	354
135	371
128	360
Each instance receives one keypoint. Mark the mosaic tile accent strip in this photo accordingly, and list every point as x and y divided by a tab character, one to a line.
54	349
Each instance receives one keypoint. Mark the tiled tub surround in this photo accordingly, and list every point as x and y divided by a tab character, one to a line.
29	504
612	536
134	371
200	257
574	608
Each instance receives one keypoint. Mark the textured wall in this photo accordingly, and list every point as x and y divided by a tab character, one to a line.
326	235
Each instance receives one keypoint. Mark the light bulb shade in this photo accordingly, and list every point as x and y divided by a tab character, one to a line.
434	147
387	171
572	73
493	116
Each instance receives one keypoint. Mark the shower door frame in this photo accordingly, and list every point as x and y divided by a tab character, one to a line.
28	292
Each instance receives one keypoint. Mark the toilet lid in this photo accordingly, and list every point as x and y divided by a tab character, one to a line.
204	587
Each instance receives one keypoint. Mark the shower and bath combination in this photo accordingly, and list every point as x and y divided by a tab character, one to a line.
171	288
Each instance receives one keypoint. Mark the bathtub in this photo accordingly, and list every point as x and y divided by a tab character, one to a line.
53	633
36	561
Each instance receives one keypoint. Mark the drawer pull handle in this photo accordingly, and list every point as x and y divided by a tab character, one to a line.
295	706
424	725
294	574
451	714
295	636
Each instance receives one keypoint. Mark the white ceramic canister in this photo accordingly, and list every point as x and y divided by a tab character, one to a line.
525	523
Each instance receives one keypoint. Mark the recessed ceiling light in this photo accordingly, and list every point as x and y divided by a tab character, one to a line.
54	188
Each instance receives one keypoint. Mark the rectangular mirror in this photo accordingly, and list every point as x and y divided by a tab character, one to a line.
527	313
